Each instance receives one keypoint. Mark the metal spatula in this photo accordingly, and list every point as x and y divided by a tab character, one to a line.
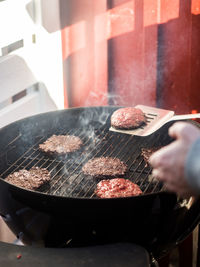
156	118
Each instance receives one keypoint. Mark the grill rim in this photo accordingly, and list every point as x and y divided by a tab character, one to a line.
87	198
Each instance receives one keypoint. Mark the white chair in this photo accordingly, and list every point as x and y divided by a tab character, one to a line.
21	95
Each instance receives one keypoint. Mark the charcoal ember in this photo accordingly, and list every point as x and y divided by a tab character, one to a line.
29	179
104	166
61	144
128	118
117	187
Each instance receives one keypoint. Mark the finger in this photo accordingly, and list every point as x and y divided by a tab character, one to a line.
180	192
177	129
170	187
184	130
161	175
167	183
155	160
162	158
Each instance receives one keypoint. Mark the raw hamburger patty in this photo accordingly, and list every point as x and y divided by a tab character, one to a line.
32	179
117	187
105	166
147	152
61	144
128	118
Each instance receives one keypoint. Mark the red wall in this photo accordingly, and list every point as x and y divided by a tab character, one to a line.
179	56
84	51
129	52
132	68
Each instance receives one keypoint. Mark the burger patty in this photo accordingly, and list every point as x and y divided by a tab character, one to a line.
61	144
32	179
104	166
128	118
147	152
117	187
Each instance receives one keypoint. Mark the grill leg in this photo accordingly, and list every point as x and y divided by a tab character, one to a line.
186	252
198	248
164	261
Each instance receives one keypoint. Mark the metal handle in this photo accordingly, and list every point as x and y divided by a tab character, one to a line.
186	116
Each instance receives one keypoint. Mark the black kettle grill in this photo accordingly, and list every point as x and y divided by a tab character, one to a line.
66	213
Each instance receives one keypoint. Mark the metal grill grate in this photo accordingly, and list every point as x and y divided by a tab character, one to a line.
67	178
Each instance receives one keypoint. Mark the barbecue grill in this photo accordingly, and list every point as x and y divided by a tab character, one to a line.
66	212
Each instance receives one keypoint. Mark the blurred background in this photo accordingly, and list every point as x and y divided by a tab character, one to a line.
103	52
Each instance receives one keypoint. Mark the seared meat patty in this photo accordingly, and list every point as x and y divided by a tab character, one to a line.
117	187
147	152
32	179
61	144
128	118
105	166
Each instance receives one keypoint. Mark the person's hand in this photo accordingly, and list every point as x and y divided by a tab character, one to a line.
168	163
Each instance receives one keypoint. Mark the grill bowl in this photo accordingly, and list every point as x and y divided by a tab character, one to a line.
67	212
